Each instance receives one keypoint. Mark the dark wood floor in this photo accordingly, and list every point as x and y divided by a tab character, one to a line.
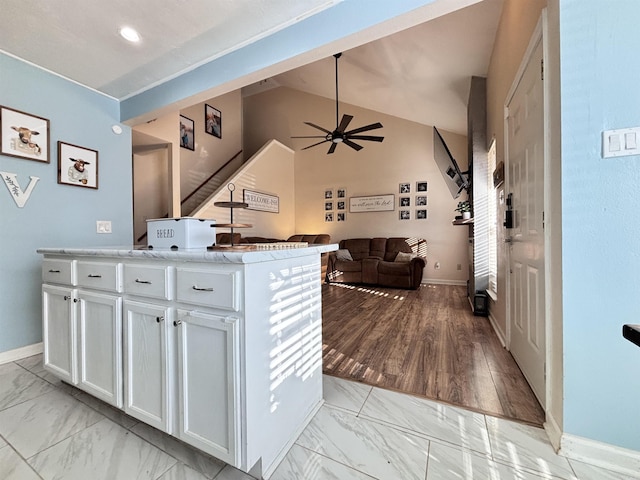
424	342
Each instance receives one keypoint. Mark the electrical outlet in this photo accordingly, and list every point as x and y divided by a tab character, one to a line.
103	226
436	265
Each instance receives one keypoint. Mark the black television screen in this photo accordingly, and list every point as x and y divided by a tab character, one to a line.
456	180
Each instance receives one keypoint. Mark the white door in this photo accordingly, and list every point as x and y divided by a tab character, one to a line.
100	346
208	383
147	352
525	156
59	331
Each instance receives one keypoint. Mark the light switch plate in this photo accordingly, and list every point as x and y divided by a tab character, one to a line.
621	142
103	226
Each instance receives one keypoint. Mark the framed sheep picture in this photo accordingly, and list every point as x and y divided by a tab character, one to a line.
77	166
24	135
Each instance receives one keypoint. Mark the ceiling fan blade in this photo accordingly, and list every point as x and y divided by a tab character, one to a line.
371	138
332	148
318	127
311	136
373	126
344	122
355	146
305	148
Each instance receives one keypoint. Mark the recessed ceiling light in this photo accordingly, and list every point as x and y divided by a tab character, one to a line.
130	34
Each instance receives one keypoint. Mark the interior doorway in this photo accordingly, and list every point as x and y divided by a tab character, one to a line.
151	159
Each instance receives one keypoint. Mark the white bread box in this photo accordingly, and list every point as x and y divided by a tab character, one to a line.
183	232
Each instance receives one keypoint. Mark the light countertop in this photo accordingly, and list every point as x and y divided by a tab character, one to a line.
226	255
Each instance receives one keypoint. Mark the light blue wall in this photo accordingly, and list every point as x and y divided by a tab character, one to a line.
56	215
600	75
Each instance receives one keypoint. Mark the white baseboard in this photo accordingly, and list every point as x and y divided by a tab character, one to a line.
20	353
610	457
499	333
439	281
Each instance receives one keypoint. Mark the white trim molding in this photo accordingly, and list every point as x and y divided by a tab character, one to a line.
20	353
610	457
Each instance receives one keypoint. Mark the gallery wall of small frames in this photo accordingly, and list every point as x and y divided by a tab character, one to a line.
411	199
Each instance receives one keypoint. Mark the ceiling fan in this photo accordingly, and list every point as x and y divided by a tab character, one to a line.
339	135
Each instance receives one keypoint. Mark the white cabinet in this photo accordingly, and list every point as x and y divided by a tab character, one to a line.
59	331
100	345
208	383
148	353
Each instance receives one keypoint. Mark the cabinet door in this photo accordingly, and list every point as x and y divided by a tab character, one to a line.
147	354
100	346
59	332
208	383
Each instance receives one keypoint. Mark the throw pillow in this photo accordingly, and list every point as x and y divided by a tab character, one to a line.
344	254
405	257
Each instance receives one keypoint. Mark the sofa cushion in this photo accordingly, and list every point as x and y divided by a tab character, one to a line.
358	247
311	239
343	254
395	245
405	257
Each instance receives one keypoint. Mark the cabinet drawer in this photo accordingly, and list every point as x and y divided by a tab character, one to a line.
147	281
59	271
99	275
210	288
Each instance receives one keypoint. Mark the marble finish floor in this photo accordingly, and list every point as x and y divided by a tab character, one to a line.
49	430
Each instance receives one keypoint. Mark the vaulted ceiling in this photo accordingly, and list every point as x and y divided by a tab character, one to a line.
421	73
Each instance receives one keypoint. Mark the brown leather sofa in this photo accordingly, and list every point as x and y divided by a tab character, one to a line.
321	238
375	261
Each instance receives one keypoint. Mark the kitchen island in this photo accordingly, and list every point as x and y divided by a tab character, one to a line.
221	349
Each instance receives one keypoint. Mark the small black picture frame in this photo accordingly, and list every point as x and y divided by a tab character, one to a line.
187	133
421	186
212	121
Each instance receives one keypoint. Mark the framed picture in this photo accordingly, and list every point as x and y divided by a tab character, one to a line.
372	203
342	205
187	135
405	201
328	217
421	214
328	205
421	200
405	188
264	202
341	216
328	193
405	214
341	193
24	135
77	166
212	121
421	186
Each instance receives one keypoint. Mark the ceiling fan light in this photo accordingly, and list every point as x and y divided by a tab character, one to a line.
337	140
129	34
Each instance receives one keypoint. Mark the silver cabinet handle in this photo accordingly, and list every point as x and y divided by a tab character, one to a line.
159	319
177	322
66	297
91	275
195	287
54	271
147	282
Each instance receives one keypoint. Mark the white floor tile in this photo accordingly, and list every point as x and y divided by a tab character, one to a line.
373	448
33	364
12	467
343	393
36	424
181	472
192	457
107	410
230	473
303	464
18	385
104	451
524	446
448	463
590	472
431	419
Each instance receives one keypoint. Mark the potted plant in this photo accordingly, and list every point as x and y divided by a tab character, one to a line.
464	208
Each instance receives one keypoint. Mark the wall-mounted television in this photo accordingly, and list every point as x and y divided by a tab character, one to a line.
456	180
